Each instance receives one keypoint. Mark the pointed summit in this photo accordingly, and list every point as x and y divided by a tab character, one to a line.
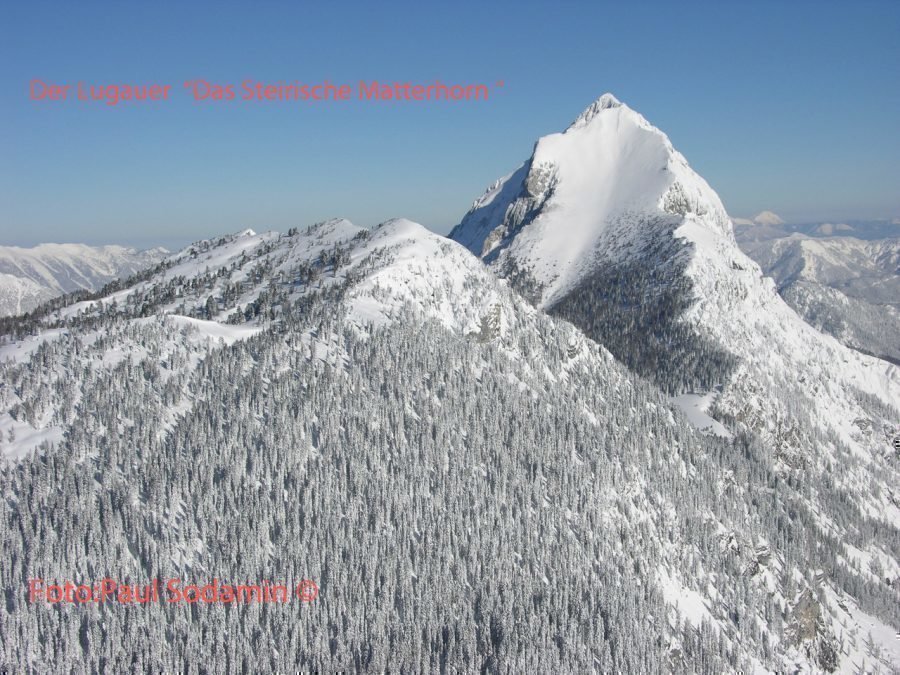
605	102
605	187
607	226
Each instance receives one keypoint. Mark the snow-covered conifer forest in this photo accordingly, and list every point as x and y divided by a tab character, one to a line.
584	433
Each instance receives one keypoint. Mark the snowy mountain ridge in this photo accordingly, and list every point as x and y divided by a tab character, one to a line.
209	295
634	174
354	400
283	312
865	269
843	286
608	226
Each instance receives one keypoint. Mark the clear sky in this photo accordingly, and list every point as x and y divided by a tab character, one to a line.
788	106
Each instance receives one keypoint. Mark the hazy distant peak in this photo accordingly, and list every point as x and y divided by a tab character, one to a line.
767	218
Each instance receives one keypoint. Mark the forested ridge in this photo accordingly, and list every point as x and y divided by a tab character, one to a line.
498	499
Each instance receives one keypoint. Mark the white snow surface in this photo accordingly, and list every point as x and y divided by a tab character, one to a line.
399	266
19	294
694	406
29	276
865	269
611	168
601	193
437	277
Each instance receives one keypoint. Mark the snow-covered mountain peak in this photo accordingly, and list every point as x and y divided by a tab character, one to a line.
604	188
416	269
605	102
767	218
400	226
608	226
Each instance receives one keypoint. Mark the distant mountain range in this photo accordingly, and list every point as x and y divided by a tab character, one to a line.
846	286
30	276
768	225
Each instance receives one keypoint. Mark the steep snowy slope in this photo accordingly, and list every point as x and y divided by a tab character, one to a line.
216	291
607	225
29	276
584	197
377	411
846	287
18	294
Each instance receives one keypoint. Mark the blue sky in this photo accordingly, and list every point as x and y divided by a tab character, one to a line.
789	106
